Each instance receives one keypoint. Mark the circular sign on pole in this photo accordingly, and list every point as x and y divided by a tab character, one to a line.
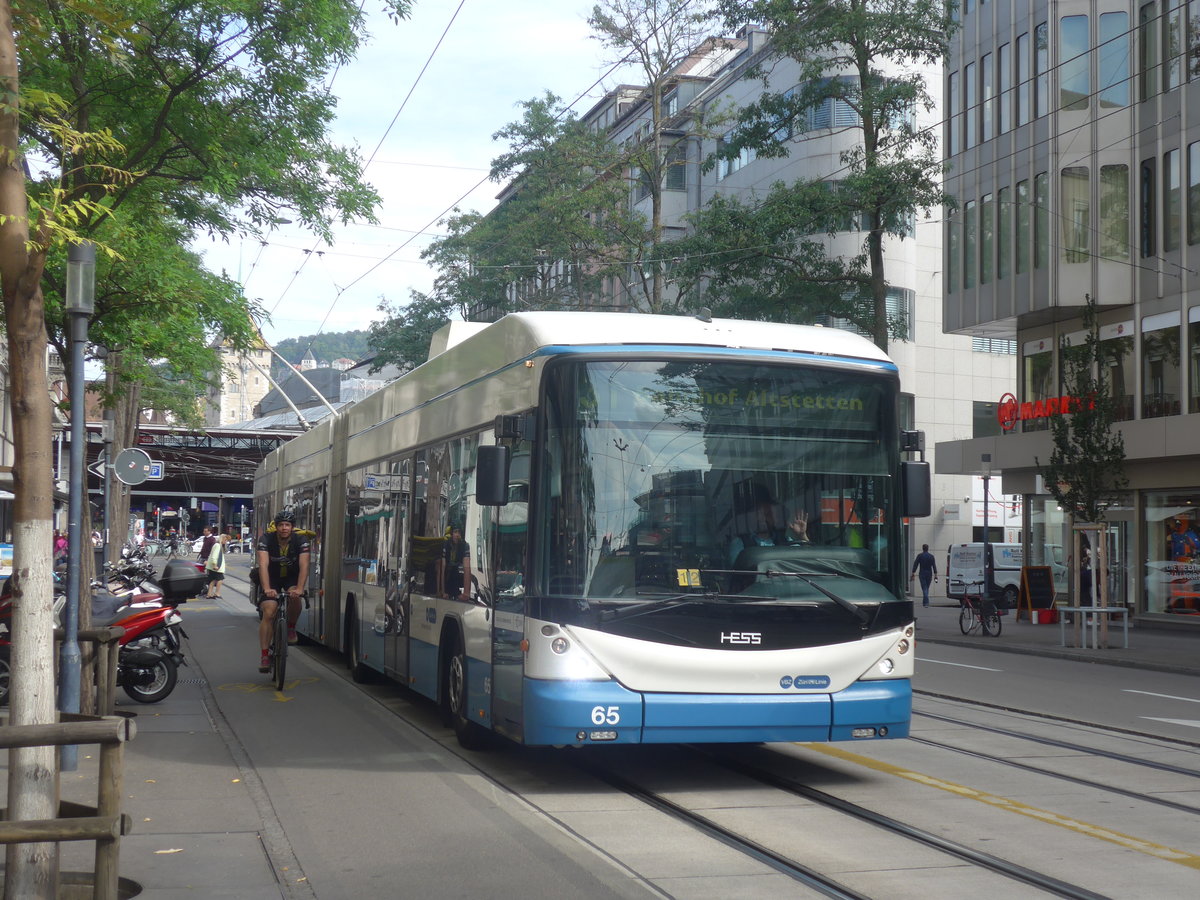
132	466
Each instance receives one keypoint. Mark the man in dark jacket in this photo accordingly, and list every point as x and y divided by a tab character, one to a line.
926	567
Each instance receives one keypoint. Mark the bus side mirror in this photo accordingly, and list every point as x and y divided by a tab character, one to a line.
916	490
491	475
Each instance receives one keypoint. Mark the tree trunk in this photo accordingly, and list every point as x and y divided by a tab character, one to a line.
32	869
125	422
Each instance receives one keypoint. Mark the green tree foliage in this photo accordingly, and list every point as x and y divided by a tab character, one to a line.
865	54
562	226
402	339
1086	470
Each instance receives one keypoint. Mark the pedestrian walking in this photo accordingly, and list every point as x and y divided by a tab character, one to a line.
924	566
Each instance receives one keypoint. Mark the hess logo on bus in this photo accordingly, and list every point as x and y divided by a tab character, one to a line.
741	637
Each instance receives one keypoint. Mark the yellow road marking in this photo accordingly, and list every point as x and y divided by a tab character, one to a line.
251	687
1158	851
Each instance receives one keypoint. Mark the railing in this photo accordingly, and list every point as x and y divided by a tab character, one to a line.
106	823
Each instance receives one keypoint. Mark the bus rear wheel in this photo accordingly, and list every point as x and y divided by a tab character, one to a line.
471	736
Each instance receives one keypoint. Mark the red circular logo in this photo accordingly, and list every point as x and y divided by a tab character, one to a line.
1008	412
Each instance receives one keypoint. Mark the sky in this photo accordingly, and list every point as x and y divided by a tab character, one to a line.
439	148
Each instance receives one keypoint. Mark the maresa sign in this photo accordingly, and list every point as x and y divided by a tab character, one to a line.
1010	412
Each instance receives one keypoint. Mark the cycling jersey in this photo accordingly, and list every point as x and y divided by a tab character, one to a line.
283	564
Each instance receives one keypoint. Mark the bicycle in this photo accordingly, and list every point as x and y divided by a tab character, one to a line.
279	642
980	614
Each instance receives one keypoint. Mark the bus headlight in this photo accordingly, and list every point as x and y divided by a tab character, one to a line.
902	646
560	645
886	666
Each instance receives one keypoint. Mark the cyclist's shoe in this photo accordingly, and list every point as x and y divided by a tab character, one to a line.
264	664
293	638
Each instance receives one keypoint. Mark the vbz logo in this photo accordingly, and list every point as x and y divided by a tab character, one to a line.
741	637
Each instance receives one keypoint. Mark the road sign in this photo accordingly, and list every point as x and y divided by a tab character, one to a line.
156	470
97	468
132	465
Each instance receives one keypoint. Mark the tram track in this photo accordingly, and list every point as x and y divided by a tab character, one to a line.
806	874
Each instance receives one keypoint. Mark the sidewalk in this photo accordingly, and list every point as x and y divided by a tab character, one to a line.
1158	649
202	824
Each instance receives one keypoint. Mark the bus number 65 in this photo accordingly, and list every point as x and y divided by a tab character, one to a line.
606	715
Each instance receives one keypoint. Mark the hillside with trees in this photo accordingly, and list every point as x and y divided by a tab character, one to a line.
325	347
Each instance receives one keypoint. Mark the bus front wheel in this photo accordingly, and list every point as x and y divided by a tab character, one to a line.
470	735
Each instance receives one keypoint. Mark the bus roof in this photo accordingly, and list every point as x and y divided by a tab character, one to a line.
524	333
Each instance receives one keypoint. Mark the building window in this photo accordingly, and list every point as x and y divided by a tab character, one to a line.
952	250
1160	369
1114	212
955	136
727	167
676	175
971	108
1024	229
1038	383
1023	79
1147	51
985	419
1193	367
1172	43
670	104
1146	209
1005	73
1117	352
1075	204
1041	220
1004	235
1193	194
1041	70
987	243
969	269
1113	60
1002	346
987	87
1172	201
1074	79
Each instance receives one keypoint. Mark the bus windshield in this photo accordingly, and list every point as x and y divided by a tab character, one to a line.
686	477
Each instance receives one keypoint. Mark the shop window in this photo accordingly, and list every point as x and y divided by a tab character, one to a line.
1172	541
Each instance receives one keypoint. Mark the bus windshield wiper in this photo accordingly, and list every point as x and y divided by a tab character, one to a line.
864	618
649	606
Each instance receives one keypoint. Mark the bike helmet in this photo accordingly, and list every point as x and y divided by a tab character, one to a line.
285	516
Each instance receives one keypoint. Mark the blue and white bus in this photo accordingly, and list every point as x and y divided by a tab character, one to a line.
634	491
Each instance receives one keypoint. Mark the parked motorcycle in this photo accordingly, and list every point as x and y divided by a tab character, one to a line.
151	649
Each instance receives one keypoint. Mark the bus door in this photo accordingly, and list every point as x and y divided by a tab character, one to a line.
397	599
510	525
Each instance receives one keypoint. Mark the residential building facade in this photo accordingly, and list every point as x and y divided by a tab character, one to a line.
241	383
1072	134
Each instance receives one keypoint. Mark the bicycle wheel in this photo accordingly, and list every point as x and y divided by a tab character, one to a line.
965	617
279	657
991	622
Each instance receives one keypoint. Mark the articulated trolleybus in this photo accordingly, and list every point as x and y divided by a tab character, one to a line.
672	529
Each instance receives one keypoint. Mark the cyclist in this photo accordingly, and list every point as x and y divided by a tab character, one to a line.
282	566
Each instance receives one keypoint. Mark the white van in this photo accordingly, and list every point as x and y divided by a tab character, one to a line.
964	567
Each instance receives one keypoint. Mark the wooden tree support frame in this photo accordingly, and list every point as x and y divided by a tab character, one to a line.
106	823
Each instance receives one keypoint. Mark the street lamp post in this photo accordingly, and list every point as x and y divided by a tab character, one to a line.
987	474
80	303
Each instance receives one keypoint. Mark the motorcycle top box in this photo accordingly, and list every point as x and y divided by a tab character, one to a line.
181	580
